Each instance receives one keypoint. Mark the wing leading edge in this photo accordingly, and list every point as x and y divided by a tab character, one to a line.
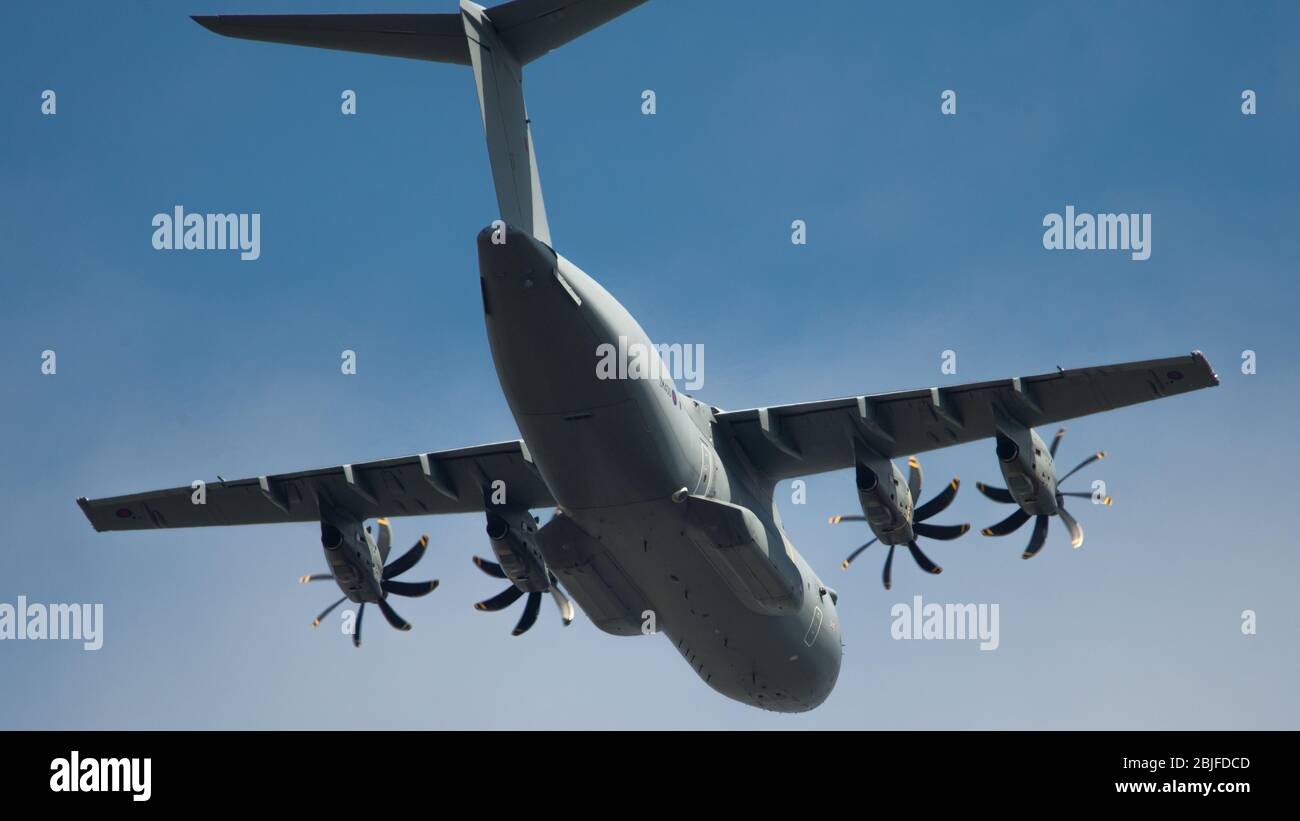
451	481
784	441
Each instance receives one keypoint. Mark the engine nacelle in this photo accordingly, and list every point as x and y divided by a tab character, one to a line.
886	499
1027	467
352	556
514	542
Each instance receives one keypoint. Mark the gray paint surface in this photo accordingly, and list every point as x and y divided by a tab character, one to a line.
713	564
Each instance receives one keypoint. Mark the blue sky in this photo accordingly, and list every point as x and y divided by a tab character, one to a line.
924	235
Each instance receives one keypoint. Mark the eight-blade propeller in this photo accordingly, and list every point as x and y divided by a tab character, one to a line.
919	516
1017	519
389	584
512	593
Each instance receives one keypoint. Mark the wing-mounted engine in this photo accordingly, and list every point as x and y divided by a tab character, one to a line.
887	506
513	543
352	556
1029	468
357	565
513	537
885	498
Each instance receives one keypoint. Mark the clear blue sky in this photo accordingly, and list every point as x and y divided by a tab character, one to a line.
924	235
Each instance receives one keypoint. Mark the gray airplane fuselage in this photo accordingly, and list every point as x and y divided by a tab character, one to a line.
632	463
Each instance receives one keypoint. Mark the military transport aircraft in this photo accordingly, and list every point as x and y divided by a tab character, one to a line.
663	504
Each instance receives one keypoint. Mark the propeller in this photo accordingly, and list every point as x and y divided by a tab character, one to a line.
388	584
1017	520
512	594
920	527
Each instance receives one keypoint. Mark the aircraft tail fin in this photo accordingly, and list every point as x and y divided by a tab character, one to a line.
497	42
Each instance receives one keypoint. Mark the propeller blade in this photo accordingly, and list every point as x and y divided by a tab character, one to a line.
923	560
1101	454
1056	443
561	601
491	568
939	503
356	631
407	560
855	554
315	577
888	576
530	614
1037	539
327	611
997	494
837	519
410	589
1076	529
914	477
391	614
501	600
385	539
943	533
1080	494
1008	525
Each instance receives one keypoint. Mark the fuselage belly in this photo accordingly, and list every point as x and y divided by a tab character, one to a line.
643	471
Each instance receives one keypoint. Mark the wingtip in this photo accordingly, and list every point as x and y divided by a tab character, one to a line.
1199	356
84	504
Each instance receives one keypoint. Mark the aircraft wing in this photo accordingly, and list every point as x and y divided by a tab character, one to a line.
783	441
450	481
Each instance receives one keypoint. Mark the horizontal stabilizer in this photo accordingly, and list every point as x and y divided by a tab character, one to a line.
436	37
497	42
532	28
529	28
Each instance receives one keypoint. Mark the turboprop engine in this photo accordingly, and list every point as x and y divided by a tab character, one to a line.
887	507
1029	467
513	536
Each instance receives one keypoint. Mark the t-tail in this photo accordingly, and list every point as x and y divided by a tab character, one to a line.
496	42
